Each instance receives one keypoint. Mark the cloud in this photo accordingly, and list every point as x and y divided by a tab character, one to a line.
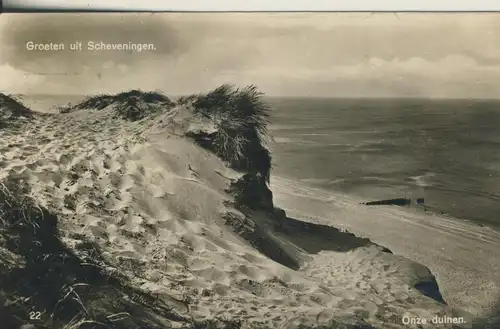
323	54
17	81
450	76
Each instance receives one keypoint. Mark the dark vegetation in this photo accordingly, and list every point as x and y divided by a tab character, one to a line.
130	105
11	110
240	117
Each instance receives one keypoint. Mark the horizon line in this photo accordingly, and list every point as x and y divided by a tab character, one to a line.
287	97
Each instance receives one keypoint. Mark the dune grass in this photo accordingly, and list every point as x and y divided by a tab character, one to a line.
131	105
11	110
241	117
13	102
98	102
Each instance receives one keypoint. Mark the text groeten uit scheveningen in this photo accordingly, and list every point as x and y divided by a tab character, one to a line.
91	46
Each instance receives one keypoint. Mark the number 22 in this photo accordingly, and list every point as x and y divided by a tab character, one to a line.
35	315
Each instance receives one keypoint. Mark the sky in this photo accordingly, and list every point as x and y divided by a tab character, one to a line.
430	55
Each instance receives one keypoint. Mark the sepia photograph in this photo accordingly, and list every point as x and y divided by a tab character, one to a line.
249	170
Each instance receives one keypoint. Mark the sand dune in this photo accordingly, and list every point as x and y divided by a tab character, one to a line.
158	208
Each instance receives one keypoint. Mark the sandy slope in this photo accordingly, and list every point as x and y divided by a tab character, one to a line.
465	257
153	201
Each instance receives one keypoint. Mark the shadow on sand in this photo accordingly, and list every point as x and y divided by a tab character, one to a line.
46	285
314	238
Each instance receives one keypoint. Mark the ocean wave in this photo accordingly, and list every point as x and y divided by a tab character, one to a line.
284	140
272	127
369	146
314	134
357	181
379	179
322	181
423	180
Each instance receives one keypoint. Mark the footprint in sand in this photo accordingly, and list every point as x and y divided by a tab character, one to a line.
82	166
44	140
44	163
31	149
65	159
111	164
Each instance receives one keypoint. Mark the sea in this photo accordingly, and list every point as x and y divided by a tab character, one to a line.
445	151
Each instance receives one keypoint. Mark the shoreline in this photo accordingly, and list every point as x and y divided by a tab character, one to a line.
430	210
464	257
